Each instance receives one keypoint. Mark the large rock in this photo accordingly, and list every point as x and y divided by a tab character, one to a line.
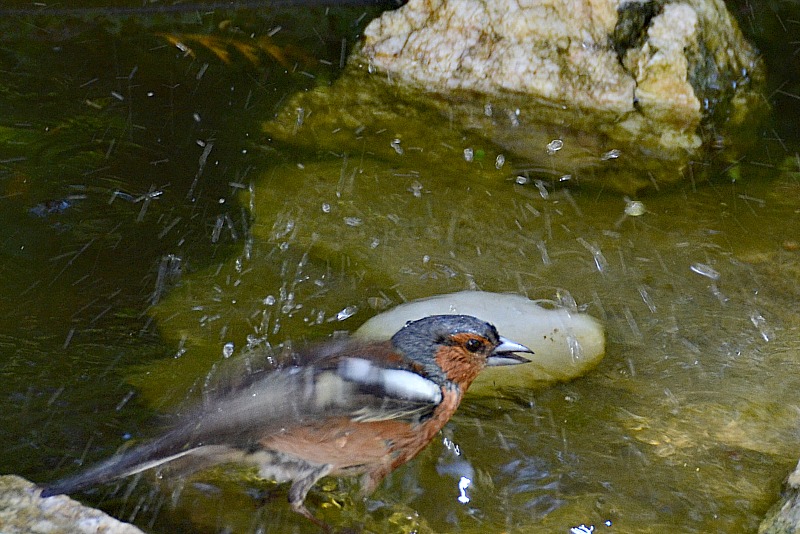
23	511
562	88
784	516
644	62
559	50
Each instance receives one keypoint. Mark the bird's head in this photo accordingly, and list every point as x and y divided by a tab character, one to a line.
456	347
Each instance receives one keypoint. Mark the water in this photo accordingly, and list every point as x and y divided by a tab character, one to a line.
150	226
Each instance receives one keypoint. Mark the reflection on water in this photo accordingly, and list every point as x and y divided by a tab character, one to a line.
115	311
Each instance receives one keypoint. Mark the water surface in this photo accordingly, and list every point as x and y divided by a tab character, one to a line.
149	220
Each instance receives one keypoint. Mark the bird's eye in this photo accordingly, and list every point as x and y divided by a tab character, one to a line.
474	345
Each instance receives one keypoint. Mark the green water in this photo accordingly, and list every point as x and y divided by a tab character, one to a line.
120	151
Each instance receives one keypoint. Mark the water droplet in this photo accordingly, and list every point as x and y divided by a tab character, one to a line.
395	144
599	260
215	233
647	299
543	251
227	350
704	270
513	118
611	154
542	189
346	313
463	484
634	208
575	348
468	154
554	146
566	300
499	161
761	324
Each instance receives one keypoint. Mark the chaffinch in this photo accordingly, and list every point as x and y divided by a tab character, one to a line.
345	408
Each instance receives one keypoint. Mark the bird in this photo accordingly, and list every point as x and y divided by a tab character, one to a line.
343	408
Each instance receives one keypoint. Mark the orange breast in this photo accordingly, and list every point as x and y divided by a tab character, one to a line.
354	447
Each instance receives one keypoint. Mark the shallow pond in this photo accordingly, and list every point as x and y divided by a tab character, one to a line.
150	217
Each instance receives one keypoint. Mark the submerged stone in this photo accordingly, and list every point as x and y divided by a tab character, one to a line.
566	344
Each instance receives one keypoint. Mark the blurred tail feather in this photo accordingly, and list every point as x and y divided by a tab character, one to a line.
168	448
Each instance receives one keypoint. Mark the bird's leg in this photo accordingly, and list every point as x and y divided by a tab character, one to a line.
299	490
371	479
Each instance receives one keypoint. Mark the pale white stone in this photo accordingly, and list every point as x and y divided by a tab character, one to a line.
566	344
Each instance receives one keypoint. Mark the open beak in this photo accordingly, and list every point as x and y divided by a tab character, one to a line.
504	353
